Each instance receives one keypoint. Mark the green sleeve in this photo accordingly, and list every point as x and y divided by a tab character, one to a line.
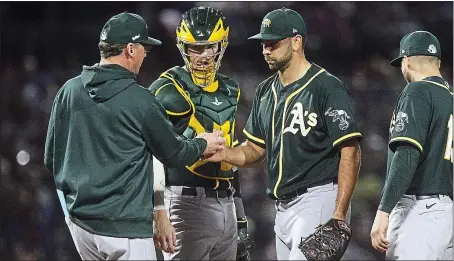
49	146
338	115
410	122
164	143
253	129
400	174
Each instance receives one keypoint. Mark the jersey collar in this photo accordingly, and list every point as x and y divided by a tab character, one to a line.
436	79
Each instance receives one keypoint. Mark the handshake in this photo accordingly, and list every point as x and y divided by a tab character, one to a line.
214	150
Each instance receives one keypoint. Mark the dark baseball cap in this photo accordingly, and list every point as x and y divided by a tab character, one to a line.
280	24
127	28
418	43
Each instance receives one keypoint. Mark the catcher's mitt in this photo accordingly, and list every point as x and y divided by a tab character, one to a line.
328	242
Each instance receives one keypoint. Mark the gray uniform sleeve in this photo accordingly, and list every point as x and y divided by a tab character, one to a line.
164	143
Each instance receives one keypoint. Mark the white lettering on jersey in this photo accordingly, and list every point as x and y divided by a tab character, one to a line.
298	119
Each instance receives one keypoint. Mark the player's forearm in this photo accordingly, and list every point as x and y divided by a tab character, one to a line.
348	175
401	172
244	156
158	184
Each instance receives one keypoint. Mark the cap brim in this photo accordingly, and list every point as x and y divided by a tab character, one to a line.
151	41
270	37
396	62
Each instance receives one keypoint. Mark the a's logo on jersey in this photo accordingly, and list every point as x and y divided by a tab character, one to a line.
216	102
266	22
401	119
339	115
432	49
298	118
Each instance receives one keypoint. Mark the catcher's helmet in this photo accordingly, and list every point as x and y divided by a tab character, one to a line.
203	26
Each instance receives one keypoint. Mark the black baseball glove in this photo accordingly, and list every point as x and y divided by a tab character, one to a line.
328	242
245	243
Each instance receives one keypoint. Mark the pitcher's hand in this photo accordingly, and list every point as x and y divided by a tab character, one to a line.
215	141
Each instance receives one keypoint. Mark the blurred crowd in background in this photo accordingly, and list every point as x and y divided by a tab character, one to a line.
43	44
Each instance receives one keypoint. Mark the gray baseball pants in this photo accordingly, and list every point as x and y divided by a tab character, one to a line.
205	227
297	218
96	247
420	229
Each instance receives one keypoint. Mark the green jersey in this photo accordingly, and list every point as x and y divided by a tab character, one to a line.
300	126
423	118
194	110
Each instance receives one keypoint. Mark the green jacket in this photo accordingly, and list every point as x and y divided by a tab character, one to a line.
103	130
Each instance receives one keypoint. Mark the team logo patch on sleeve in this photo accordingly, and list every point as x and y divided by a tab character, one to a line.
401	119
339	115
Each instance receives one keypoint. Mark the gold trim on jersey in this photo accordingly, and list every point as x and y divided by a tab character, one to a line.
274	112
346	137
250	136
439	84
281	150
412	141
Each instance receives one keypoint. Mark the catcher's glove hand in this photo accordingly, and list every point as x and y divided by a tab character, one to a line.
328	242
244	244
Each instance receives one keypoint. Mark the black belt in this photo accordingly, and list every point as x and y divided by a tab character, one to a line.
209	193
421	197
300	191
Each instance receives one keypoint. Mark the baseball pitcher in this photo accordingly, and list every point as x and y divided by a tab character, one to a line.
302	121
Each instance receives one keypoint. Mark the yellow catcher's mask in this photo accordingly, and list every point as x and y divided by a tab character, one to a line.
204	30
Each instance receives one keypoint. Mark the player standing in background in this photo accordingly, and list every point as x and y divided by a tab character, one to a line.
302	120
417	197
200	198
